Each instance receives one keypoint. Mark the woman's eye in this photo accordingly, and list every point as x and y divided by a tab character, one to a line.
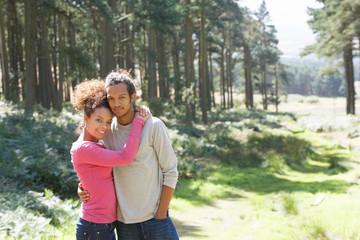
98	120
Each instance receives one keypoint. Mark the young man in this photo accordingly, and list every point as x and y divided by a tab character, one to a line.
145	187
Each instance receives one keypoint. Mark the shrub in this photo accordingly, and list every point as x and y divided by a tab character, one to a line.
157	106
289	204
290	148
35	150
30	214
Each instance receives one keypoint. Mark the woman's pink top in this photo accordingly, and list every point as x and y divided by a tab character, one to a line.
93	164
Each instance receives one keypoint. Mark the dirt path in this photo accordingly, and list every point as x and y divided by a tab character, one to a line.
210	221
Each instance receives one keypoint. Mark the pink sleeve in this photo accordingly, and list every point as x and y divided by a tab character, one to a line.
90	152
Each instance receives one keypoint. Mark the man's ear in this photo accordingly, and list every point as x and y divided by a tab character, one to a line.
132	98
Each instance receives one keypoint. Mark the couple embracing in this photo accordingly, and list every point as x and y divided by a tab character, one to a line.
126	165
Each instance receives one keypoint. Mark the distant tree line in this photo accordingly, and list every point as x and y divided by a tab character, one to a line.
176	46
311	77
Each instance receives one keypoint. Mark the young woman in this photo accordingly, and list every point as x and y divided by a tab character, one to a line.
93	162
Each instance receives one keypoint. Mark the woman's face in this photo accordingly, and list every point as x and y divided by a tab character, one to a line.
98	124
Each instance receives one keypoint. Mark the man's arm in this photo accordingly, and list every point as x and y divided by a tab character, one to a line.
168	164
165	199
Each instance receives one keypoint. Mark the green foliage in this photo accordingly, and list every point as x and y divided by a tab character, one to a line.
290	148
29	214
157	106
289	204
35	150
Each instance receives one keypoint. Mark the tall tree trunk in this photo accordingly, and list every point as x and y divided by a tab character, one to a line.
228	76
203	65
14	68
129	48
176	64
71	37
54	54
230	79
276	88
222	77
211	79
20	54
249	102
152	56
189	66
45	76
162	67
145	80
107	59
208	89
30	53
264	86
349	79
5	80
62	63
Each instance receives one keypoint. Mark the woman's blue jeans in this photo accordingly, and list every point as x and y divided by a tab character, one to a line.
94	231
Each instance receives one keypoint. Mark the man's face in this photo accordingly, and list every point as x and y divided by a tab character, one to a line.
119	100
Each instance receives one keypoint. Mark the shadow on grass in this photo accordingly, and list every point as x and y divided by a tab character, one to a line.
257	180
184	230
231	179
196	193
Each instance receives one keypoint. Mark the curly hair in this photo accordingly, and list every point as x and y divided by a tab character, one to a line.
121	76
89	95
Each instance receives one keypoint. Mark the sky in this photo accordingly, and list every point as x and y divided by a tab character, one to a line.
290	20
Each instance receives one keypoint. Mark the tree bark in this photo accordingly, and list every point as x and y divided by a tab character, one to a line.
222	77
189	66
203	65
4	58
62	64
264	86
211	79
176	64
349	79
152	55
14	67
107	60
276	88
230	79
30	53
129	48
162	66
249	102
45	77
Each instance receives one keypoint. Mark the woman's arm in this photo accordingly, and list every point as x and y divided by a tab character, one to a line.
92	153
